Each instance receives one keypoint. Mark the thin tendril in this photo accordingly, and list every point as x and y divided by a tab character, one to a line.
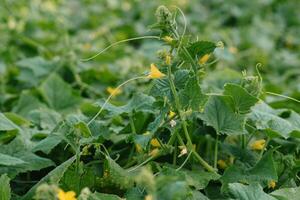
283	96
136	167
184	29
181	166
111	95
116	43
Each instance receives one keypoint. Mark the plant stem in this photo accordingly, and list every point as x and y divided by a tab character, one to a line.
216	151
132	125
184	125
243	138
188	55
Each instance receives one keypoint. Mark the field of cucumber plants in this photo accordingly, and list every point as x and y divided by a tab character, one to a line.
149	100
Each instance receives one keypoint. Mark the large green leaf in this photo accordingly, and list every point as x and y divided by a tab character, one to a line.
197	179
26	103
266	118
250	192
32	70
5	191
287	193
219	114
7	160
200	48
52	178
21	149
58	94
191	96
242	100
263	172
6	124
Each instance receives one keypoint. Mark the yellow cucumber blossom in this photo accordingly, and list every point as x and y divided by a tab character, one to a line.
272	184
168	39
66	195
155	73
222	164
114	91
155	143
171	114
258	144
204	59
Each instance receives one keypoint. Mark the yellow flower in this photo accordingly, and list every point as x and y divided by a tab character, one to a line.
171	114
272	184
138	148
258	144
168	59
155	73
149	197
222	164
114	91
204	59
66	195
155	143
168	39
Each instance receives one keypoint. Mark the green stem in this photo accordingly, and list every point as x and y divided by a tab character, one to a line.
184	125
132	125
216	151
77	166
243	138
188	55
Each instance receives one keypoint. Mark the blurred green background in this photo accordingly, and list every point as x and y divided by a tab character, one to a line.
38	37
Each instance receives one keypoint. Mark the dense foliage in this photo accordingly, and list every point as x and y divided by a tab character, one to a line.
133	100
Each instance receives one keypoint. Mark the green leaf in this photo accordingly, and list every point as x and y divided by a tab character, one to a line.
266	118
32	70
200	48
17	119
116	176
26	103
218	114
21	148
191	96
52	178
102	196
263	172
76	181
6	124
250	192
47	144
5	191
242	100
9	160
197	179
139	103
287	193
83	129
58	94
